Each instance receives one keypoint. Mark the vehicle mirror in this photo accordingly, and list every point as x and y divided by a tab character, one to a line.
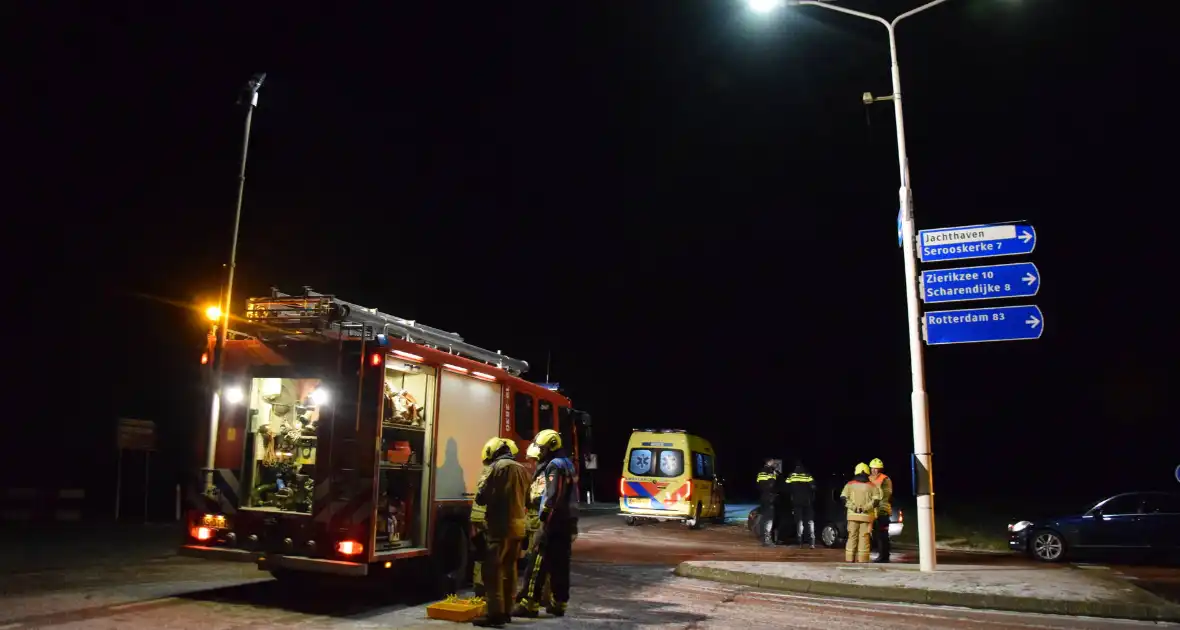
582	418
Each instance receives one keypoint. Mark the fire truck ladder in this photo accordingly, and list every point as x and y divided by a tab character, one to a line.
317	313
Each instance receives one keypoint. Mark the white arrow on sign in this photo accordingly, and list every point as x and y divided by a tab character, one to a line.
1033	321
1029	278
1025	236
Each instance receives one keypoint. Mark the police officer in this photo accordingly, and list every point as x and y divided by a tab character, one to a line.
479	512
801	487
767	495
558	510
502	496
861	500
881	525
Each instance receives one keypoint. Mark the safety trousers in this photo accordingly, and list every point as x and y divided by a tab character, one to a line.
548	565
881	536
857	549
479	542
499	574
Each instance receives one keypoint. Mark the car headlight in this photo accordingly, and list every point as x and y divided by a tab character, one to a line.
1019	527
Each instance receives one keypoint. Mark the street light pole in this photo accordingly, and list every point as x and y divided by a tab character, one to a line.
250	98
918	400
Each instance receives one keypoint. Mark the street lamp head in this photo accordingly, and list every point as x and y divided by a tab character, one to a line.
250	90
213	313
256	81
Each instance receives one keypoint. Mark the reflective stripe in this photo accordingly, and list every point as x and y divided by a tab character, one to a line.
800	479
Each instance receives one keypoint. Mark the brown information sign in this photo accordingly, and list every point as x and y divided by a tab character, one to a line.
137	435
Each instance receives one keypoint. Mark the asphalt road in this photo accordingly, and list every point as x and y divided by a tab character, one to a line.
622	579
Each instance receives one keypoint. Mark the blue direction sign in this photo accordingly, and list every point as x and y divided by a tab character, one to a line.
976	241
980	283
979	325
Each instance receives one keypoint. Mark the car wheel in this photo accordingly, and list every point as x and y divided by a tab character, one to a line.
631	520
1047	546
830	535
720	518
694	522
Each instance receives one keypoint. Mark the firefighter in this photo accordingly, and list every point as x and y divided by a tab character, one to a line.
881	526
861	500
555	486
767	495
479	512
801	487
502	496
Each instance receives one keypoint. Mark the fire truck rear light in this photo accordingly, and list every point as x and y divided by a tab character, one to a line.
407	355
375	359
204	358
202	533
455	368
481	375
349	547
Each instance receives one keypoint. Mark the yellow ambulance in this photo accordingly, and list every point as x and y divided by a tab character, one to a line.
670	475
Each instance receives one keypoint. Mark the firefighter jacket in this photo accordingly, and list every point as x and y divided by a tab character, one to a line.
558	505
479	512
801	487
882	481
767	486
503	497
861	499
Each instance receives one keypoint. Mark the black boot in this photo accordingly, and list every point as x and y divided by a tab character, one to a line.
490	621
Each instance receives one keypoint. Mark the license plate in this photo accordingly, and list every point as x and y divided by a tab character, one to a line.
639	503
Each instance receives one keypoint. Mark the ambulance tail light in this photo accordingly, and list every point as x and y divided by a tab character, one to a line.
622	484
349	547
688	490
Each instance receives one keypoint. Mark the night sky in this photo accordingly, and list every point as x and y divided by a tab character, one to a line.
685	205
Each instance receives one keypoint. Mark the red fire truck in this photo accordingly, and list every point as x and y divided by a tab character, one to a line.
349	440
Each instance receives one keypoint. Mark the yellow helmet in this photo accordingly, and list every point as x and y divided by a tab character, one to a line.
546	439
495	444
876	463
861	468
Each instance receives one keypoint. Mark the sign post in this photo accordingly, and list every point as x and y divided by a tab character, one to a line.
134	435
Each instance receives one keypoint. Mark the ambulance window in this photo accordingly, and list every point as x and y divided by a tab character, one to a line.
640	462
702	466
524	416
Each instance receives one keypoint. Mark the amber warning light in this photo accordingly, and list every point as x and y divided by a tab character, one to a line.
349	547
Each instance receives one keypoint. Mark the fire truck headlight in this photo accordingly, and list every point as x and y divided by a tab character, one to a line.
234	395
319	396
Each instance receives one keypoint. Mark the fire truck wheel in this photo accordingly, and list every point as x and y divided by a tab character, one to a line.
451	562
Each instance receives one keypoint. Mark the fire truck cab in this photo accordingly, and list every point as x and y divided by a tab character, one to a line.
348	440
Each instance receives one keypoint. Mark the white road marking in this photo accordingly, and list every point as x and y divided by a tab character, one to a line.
148	602
909	609
11	625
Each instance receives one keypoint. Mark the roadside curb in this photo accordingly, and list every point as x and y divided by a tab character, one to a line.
1141	605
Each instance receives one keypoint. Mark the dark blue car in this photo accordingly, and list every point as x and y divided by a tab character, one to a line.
1124	523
